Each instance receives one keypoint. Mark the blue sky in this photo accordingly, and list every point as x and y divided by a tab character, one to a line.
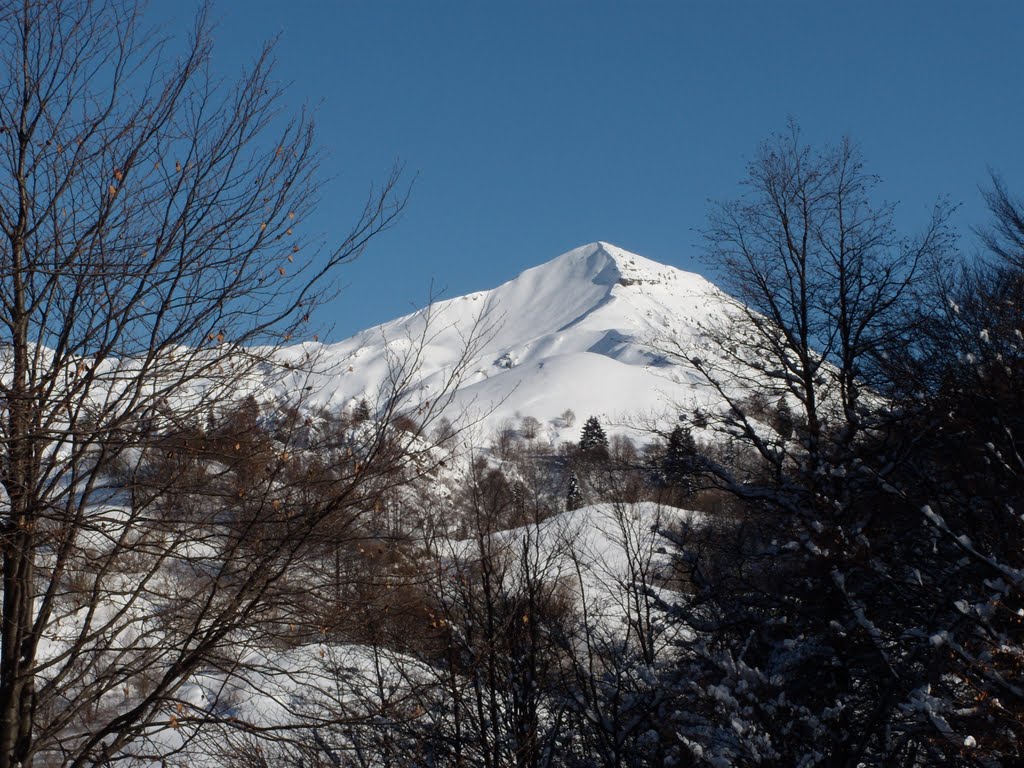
533	127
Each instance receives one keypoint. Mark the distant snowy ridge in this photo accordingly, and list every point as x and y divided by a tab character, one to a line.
573	333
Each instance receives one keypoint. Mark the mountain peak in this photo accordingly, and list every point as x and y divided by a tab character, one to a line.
604	263
574	332
600	264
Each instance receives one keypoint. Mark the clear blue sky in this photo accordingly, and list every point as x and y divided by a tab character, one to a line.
534	127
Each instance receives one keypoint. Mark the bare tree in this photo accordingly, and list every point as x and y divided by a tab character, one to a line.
530	427
817	602
1004	238
822	285
152	258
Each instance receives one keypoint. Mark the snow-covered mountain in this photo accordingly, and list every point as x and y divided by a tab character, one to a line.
573	333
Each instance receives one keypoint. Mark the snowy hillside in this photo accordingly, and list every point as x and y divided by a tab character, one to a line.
599	548
573	333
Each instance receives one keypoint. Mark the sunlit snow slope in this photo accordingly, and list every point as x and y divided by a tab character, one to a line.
574	333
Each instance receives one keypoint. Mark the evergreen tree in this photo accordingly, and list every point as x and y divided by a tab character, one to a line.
783	420
361	413
574	496
679	464
593	438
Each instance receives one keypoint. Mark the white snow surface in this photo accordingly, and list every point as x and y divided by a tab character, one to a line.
574	333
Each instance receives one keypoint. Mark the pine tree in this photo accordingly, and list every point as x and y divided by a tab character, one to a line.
593	438
361	412
679	464
574	496
783	420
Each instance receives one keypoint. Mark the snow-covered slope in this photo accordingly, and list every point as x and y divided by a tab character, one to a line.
573	333
600	549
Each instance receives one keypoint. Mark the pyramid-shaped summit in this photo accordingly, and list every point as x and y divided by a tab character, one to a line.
575	333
